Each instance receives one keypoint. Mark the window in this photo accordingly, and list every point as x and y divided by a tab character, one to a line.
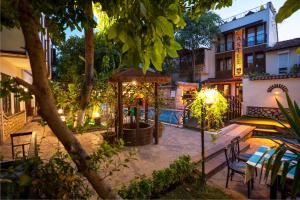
239	91
260	60
222	65
221	45
283	60
228	64
249	61
250	37
260	34
226	90
17	103
229	42
6	100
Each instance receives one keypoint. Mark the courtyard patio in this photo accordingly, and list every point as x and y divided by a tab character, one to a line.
173	143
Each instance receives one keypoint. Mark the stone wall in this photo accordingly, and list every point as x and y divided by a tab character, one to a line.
266	112
13	123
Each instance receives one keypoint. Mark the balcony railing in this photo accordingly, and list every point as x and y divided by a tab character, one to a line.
246	13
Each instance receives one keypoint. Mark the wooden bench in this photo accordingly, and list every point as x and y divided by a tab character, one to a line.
32	152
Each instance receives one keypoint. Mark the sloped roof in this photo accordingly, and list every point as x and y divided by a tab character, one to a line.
136	74
270	77
285	44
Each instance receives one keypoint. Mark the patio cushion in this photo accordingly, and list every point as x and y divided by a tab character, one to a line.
239	167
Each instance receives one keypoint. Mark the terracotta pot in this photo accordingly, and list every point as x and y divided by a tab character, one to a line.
142	136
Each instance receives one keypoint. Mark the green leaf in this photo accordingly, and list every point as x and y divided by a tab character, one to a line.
285	171
143	10
125	48
113	32
165	26
25	180
296	183
81	58
277	163
175	45
289	7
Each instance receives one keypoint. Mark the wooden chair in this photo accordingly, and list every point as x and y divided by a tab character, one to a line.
32	144
236	147
235	166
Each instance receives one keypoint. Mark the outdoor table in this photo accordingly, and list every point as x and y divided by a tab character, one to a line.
260	157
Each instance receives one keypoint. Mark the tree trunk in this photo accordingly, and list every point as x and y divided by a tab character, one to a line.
87	87
40	87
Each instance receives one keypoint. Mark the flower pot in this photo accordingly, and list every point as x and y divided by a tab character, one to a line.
142	136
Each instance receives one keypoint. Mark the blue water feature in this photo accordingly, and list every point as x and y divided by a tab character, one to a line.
168	116
165	115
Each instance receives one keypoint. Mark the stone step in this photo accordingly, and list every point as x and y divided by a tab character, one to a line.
216	164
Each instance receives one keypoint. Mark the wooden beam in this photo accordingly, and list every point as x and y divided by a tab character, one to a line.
146	110
156	113
120	110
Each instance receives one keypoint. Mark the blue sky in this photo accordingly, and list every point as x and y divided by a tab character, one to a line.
288	29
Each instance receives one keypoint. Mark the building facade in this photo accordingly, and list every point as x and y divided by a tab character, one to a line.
14	62
282	75
241	48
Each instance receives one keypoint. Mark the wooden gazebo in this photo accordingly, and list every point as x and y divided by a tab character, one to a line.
136	75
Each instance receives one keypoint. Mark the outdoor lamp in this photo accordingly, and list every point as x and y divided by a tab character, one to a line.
210	95
97	118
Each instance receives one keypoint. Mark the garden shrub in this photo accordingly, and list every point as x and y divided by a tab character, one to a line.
160	182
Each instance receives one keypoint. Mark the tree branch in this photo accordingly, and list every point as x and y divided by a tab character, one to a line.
27	85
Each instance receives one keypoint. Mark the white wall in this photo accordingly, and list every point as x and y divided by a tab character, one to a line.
272	60
271	29
255	92
12	40
209	62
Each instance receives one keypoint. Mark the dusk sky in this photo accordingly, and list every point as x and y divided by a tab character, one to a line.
288	29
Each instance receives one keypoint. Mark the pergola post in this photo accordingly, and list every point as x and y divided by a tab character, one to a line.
146	110
120	110
156	113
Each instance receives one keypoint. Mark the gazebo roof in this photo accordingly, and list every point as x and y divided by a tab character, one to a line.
136	74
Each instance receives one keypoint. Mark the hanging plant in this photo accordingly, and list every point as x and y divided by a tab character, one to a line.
215	106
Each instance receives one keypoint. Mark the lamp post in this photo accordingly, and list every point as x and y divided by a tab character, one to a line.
208	100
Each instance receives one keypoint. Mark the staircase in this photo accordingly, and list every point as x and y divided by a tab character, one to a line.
264	127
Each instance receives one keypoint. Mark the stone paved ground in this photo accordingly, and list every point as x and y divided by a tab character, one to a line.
174	142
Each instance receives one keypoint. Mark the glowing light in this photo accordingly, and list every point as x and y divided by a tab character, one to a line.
276	92
210	95
96	115
133	82
60	111
25	89
63	118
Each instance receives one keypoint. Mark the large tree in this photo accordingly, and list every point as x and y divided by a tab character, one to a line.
199	32
145	28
